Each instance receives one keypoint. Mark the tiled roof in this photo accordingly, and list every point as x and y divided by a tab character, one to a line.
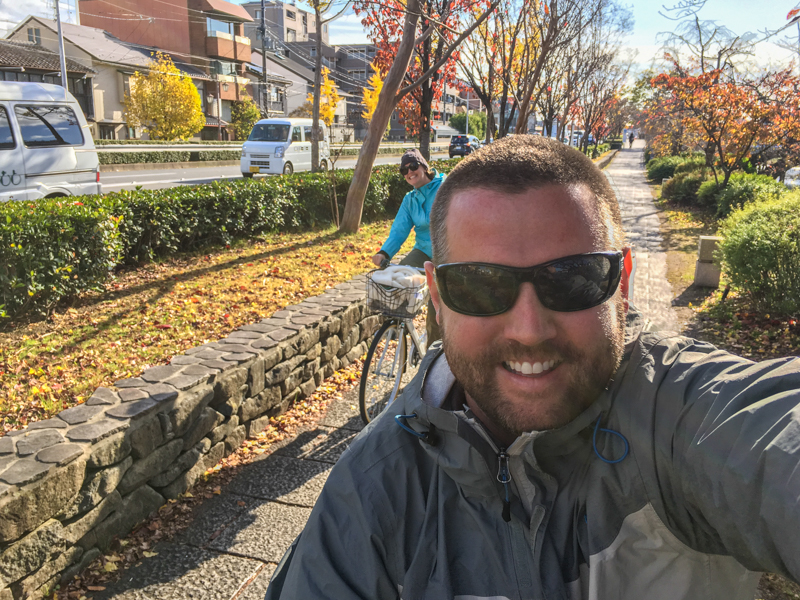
30	56
104	47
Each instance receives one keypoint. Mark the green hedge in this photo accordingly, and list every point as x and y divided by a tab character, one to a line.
166	156
54	249
743	189
684	186
162	142
760	253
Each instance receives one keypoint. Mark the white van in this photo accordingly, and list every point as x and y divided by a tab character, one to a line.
282	146
46	146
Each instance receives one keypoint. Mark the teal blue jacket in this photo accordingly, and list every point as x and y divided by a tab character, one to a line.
415	211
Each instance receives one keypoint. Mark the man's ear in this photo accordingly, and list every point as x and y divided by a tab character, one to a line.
431	276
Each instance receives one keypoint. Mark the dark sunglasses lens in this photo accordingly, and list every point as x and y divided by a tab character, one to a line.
477	289
406	168
576	283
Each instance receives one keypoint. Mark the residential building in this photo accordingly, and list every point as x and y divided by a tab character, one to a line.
284	22
110	62
28	61
295	69
207	34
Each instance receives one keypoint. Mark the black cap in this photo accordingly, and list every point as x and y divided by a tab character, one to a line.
413	156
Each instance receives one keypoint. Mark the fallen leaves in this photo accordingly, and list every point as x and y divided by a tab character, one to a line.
149	314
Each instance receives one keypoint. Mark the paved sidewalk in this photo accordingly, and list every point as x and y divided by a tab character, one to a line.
233	546
652	293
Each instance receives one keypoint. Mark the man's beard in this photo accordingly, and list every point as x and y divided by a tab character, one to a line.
591	372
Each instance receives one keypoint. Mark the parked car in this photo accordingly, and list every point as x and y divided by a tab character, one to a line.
792	178
463	145
281	145
46	147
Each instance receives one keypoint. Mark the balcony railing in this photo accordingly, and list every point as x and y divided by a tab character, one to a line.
223	35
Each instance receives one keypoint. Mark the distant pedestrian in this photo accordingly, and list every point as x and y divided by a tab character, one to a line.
631	137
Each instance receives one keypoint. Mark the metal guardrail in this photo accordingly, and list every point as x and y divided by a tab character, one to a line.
231	146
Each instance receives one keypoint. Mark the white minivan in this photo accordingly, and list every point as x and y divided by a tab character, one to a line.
282	145
46	146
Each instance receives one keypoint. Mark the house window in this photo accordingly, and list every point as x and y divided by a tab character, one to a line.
258	14
324	29
108	132
313	51
305	24
34	35
291	35
290	14
358	74
215	27
223	68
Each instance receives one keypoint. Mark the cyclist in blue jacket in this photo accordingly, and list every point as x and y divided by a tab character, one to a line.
414	213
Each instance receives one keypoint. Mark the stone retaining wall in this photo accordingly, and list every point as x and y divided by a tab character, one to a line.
68	485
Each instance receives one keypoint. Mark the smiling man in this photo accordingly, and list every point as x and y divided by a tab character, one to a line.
550	448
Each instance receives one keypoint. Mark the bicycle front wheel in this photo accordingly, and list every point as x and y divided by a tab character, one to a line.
383	370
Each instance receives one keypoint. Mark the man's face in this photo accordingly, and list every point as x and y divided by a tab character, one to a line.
572	354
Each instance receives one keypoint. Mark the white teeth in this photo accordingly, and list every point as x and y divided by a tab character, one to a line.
527	368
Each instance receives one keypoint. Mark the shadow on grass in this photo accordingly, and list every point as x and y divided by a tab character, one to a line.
164	285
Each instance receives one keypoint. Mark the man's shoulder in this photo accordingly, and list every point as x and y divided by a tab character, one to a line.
382	446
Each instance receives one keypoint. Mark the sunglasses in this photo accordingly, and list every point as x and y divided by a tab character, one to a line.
566	284
409	167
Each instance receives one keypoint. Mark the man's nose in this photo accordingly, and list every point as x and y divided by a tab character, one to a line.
529	322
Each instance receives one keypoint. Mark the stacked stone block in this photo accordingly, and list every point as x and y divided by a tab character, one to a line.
68	485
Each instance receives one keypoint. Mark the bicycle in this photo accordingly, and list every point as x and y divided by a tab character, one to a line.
390	354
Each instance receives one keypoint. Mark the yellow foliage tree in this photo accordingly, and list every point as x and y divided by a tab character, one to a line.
328	98
371	95
164	101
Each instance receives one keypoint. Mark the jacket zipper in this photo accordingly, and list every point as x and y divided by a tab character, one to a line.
504	477
503	471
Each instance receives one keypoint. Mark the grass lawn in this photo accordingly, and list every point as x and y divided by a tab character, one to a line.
147	315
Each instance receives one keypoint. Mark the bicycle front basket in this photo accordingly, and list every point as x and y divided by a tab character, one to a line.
400	302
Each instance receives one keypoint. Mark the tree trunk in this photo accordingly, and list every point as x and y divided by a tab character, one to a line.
425	125
387	100
315	132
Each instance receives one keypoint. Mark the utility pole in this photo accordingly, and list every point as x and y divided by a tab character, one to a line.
64	82
263	29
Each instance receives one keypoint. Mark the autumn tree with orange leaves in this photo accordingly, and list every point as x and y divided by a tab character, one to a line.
731	112
392	92
384	24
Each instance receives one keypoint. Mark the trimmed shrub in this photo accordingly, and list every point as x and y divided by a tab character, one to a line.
662	167
666	166
99	142
744	188
760	253
54	249
683	187
707	194
166	156
691	163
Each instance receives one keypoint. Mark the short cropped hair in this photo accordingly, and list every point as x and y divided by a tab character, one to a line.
519	163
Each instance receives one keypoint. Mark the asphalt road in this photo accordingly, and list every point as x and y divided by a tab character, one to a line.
164	178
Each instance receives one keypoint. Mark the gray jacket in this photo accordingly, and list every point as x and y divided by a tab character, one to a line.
706	494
